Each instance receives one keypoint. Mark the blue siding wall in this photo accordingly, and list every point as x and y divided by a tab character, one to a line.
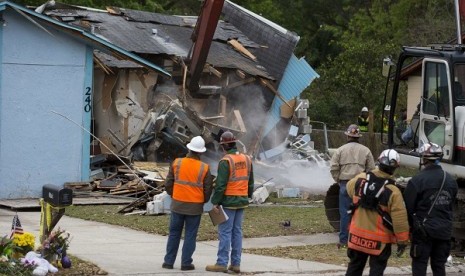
40	73
297	76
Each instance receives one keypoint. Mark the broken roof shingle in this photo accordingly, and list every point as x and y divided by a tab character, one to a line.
156	34
111	61
280	42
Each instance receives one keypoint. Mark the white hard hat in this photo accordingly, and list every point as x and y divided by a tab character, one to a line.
365	109
197	144
387	108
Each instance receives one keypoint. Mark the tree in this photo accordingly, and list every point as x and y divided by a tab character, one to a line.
352	79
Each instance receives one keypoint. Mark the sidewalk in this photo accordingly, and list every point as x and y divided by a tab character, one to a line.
122	251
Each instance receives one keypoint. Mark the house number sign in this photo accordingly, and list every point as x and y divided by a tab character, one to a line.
87	100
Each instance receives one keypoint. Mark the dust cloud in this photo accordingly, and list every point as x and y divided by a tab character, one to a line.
308	176
253	101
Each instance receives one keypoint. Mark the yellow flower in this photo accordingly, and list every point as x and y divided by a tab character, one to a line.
25	240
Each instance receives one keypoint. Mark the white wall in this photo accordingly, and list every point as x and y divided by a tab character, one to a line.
39	73
414	94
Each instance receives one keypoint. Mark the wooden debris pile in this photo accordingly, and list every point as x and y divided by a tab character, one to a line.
110	178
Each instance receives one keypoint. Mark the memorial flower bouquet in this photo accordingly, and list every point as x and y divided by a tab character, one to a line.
56	244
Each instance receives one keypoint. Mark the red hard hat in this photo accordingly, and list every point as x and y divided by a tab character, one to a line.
353	131
227	137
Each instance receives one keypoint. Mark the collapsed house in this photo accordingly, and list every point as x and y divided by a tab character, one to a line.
249	78
139	114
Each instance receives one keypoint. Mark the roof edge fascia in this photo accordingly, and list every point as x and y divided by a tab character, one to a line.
103	43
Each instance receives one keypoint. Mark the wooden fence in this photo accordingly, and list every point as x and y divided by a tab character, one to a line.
337	138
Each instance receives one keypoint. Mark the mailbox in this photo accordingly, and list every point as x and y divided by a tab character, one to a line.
57	196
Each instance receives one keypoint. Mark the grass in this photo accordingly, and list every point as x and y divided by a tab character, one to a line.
405	171
323	253
263	221
80	267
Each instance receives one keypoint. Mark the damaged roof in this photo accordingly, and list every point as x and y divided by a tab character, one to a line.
81	34
158	34
280	42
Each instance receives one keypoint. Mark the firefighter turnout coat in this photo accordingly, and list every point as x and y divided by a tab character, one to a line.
367	232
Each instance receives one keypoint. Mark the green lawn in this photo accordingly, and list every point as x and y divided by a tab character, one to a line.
262	221
323	253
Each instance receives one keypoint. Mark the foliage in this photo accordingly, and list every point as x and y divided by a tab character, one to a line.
353	77
15	268
55	245
25	242
185	7
19	244
7	247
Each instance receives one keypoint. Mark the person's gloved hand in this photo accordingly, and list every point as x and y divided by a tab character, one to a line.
400	249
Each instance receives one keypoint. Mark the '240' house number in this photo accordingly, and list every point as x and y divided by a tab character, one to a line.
87	100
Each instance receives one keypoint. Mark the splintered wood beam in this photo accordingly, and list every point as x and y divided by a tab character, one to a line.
241	49
276	92
240	74
141	76
105	68
238	116
223	105
210	69
239	83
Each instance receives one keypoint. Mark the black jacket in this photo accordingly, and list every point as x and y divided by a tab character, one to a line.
420	194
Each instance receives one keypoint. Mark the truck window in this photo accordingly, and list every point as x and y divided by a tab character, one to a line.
435	132
459	84
436	90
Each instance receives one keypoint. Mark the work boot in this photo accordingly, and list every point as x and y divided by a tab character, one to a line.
234	268
188	267
167	266
216	268
341	245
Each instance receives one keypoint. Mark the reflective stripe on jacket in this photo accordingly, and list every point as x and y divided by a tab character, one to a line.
367	232
363	123
189	174
239	171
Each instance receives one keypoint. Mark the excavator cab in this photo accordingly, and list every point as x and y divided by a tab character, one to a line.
428	84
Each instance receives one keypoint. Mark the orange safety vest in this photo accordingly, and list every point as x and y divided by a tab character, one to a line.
189	174
240	166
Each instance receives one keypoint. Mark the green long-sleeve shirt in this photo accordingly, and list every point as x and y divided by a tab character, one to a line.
232	202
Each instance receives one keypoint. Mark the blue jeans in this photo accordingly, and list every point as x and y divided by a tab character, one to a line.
177	222
230	236
344	204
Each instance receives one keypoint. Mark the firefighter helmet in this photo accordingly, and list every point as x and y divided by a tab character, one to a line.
388	161
431	151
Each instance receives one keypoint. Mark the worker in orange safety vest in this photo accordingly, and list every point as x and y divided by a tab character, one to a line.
190	185
234	187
